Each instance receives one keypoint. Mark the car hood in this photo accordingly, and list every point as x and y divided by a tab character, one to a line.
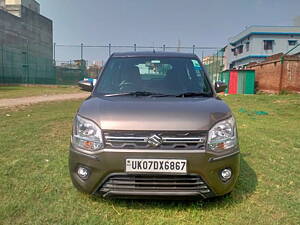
151	113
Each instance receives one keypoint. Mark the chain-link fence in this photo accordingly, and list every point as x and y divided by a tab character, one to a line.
24	65
19	65
212	57
71	63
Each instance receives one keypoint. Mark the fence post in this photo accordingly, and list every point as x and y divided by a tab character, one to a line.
54	63
222	62
26	61
179	46
281	72
81	59
194	49
134	47
81	51
2	63
212	68
109	49
217	65
54	53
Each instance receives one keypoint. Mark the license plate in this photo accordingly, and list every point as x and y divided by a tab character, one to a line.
177	166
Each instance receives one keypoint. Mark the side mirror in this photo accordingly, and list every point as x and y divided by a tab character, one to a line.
220	86
86	85
90	87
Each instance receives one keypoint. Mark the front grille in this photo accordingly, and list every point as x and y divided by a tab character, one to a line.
155	140
151	185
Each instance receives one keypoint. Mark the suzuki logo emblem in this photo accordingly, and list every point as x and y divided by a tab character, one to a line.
155	140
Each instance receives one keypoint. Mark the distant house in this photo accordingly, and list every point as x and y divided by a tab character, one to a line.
256	43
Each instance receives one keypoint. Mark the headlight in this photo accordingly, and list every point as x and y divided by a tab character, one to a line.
223	135
86	135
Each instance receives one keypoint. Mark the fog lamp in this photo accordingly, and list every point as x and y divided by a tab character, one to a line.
83	173
226	174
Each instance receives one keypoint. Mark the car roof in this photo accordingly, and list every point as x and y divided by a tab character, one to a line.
153	54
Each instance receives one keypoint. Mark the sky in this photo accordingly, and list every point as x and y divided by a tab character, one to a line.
157	22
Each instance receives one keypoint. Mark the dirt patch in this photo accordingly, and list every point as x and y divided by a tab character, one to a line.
7	103
287	101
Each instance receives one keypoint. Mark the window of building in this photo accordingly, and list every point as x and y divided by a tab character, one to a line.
247	46
240	49
268	44
292	42
234	50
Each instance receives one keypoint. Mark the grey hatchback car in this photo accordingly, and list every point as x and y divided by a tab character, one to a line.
154	127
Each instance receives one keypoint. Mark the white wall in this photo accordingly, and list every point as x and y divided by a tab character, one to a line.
31	4
280	44
2	3
256	47
262	29
13	2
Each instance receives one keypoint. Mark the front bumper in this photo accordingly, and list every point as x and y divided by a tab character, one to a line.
108	164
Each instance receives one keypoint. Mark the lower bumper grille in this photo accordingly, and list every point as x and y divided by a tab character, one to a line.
149	185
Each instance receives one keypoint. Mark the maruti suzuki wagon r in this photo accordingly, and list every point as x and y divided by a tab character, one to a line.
154	127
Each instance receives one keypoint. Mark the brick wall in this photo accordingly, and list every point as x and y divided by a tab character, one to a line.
270	73
291	75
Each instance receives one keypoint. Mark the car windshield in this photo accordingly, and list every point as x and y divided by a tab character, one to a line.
160	76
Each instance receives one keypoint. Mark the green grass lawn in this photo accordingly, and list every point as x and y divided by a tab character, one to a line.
35	187
21	91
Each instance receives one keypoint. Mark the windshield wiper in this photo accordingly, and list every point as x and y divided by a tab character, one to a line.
152	94
138	93
194	94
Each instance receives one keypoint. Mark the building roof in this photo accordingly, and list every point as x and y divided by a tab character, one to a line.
153	54
269	30
250	57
